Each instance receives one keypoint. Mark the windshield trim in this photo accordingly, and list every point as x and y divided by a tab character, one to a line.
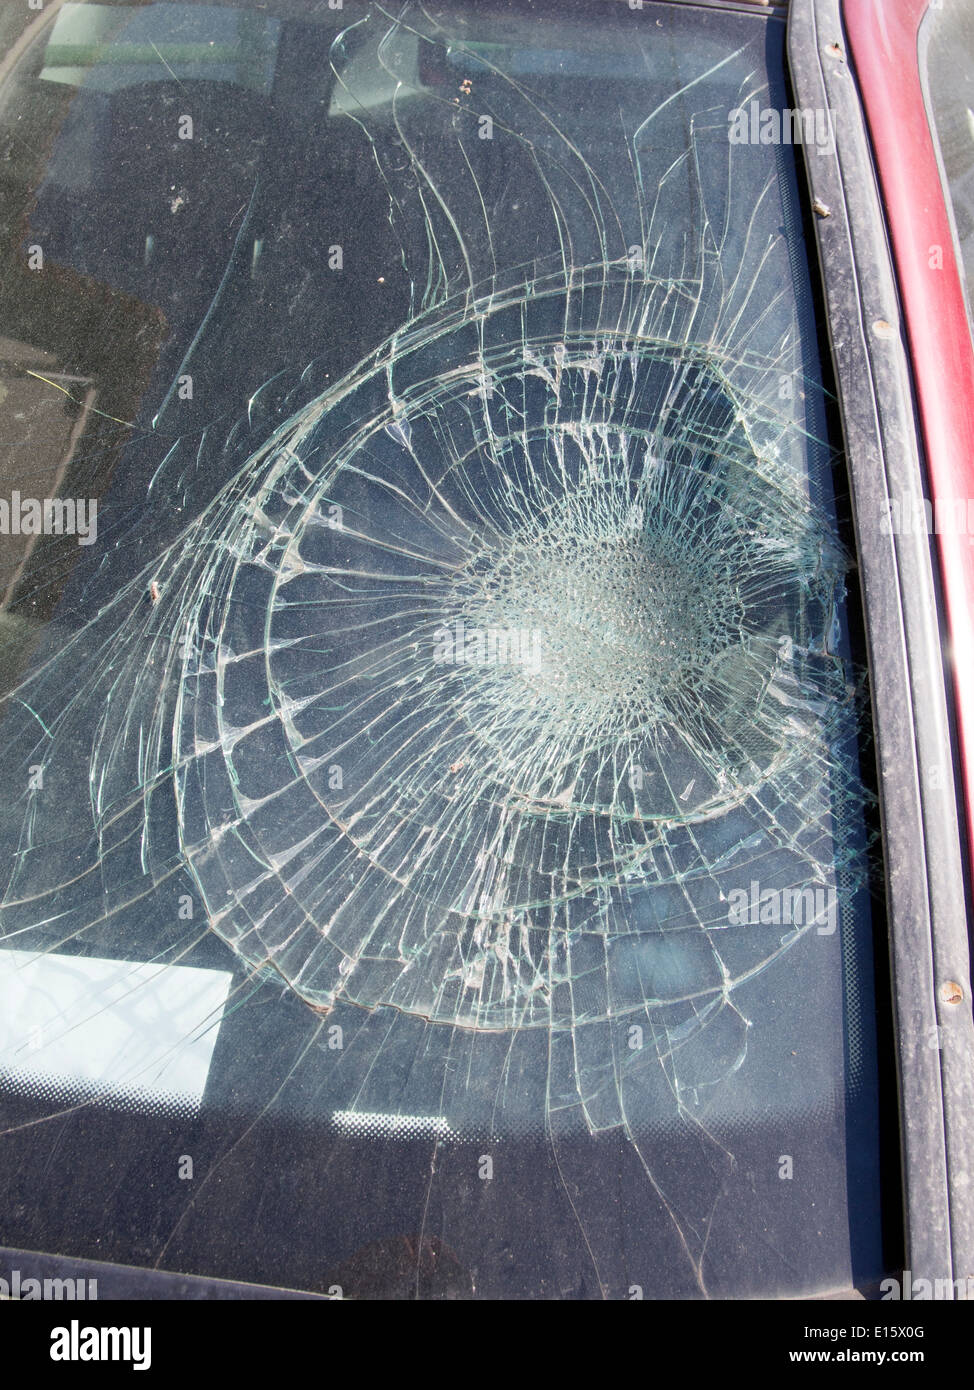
926	887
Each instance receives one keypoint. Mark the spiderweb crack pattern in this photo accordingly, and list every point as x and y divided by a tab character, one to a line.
487	678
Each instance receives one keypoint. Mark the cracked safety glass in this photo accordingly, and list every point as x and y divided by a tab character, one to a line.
438	857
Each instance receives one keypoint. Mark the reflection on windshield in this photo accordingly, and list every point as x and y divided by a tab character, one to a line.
485	685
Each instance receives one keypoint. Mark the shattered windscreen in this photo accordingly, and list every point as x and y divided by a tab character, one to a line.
435	851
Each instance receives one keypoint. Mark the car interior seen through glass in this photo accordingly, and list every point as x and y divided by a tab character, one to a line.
435	729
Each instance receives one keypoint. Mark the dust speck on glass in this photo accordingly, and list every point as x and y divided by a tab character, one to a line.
460	665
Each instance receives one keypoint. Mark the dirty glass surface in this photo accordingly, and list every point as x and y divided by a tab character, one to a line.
436	856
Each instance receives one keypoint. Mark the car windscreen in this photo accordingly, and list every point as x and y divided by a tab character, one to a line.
438	854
